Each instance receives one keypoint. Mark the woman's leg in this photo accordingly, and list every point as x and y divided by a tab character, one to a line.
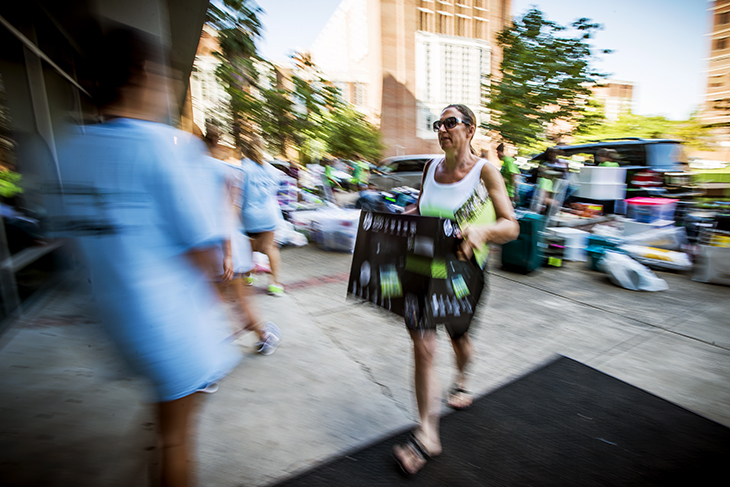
174	419
460	399
428	388
428	398
264	243
246	307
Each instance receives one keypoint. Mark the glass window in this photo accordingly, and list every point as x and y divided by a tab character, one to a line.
412	165
721	43
460	26
423	20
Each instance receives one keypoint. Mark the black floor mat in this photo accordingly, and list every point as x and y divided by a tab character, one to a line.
565	424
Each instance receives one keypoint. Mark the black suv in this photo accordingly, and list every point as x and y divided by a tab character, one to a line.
663	159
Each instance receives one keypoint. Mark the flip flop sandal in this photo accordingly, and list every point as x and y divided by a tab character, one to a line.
458	391
414	446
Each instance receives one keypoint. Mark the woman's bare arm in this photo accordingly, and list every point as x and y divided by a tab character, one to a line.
505	228
413	209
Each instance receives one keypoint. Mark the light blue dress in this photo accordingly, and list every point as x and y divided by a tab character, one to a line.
230	178
260	210
132	199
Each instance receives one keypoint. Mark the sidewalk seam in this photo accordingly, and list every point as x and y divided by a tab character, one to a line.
636	320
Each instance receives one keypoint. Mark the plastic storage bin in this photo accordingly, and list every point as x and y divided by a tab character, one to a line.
650	210
597	246
576	242
602	191
524	255
336	229
601	174
634	227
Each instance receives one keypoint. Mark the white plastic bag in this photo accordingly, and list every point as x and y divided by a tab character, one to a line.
670	238
261	263
285	234
657	258
607	231
629	274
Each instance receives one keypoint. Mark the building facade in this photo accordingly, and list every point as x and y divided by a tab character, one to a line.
617	98
207	95
402	61
716	107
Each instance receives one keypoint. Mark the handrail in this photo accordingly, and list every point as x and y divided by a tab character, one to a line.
26	256
36	50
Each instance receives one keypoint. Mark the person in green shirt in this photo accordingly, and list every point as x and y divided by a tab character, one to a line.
509	172
607	158
329	173
360	173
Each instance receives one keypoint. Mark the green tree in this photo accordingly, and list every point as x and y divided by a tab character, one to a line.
692	132
239	28
350	135
9	183
297	116
591	116
545	77
310	115
277	119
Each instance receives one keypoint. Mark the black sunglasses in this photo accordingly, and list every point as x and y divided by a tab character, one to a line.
449	123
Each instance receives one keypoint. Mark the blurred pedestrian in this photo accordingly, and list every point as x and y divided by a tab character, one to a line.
260	211
448	184
555	163
606	157
234	256
509	172
329	172
147	238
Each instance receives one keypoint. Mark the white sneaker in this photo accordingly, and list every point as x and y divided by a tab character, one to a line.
210	388
272	338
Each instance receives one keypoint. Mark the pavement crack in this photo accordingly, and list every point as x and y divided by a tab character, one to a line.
369	375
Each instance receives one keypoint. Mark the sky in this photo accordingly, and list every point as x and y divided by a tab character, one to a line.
661	46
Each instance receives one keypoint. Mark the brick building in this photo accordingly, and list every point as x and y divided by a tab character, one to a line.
716	107
401	61
617	97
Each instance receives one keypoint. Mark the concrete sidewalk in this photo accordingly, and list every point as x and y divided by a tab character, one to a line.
70	414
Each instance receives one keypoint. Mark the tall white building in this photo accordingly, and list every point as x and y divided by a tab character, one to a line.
402	61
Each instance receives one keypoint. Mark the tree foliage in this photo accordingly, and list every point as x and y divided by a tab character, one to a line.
351	136
10	183
305	111
546	77
692	132
239	28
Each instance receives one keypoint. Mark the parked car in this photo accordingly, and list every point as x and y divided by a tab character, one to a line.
659	160
398	171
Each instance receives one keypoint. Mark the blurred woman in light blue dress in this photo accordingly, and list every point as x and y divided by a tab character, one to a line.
146	232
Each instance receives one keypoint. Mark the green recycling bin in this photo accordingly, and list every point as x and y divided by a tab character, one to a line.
524	255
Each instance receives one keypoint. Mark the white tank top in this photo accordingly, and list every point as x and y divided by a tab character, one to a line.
443	199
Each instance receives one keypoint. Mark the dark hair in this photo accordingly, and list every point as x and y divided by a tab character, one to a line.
118	58
469	118
500	148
